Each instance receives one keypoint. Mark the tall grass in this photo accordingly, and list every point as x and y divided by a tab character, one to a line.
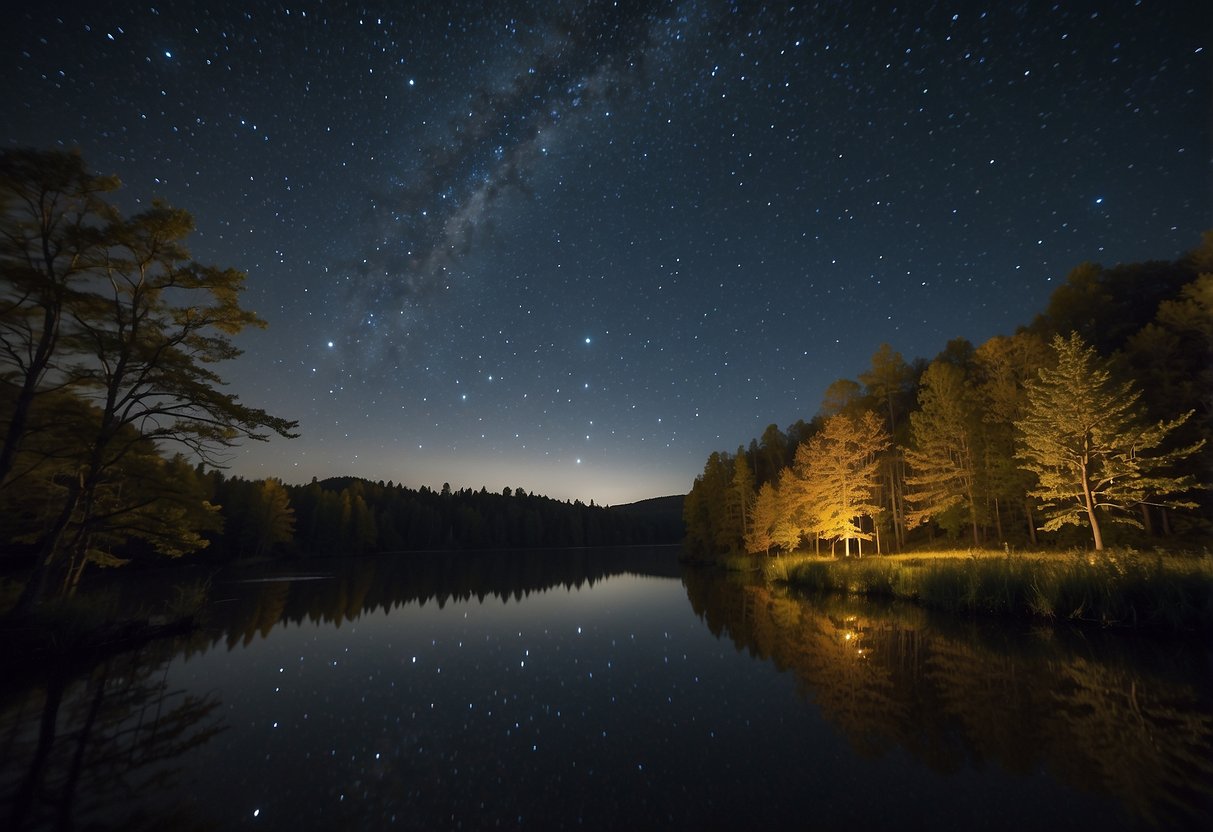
1112	588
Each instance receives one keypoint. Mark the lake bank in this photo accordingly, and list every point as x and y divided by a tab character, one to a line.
1113	588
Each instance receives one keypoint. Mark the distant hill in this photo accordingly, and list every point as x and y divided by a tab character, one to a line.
654	505
664	512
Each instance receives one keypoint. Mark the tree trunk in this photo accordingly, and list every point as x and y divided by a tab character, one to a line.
29	388
35	587
1090	505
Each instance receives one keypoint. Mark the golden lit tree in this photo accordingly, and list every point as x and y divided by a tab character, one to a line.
762	520
838	470
792	518
1087	442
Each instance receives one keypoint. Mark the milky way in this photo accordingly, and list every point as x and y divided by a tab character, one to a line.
575	247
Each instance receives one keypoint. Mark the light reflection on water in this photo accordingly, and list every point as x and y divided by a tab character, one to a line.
573	689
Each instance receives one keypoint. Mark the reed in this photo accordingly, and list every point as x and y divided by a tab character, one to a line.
1111	588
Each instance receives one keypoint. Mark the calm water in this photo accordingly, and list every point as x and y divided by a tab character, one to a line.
603	690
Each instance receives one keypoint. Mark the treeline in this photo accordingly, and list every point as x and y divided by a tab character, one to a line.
1100	410
352	516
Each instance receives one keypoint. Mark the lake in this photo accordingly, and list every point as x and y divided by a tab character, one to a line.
593	689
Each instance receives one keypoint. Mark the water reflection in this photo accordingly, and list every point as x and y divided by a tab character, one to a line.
99	748
1109	715
250	602
550	689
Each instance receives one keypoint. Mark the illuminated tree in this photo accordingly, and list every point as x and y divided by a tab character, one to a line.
793	509
1084	438
839	471
942	457
762	520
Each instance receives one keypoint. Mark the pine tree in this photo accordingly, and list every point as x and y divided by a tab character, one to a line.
741	493
1085	439
942	457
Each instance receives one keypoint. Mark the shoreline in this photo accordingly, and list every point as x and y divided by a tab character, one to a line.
1111	589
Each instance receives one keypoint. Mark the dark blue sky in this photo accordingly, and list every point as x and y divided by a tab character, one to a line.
575	247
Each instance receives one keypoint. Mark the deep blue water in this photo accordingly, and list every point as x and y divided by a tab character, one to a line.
603	690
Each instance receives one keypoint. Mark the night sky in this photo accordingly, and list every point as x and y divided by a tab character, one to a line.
576	247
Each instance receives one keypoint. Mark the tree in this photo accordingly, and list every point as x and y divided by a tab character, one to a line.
942	456
705	512
793	510
1172	358
741	493
887	382
1004	367
842	396
1084	438
148	323
270	520
837	470
773	447
765	515
52	219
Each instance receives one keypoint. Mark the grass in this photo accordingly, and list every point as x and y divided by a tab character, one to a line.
1112	588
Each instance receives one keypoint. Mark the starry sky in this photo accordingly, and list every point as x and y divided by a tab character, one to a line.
577	246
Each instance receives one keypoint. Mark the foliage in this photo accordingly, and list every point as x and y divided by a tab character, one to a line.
837	471
957	457
110	332
766	513
52	221
943	454
1085	439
